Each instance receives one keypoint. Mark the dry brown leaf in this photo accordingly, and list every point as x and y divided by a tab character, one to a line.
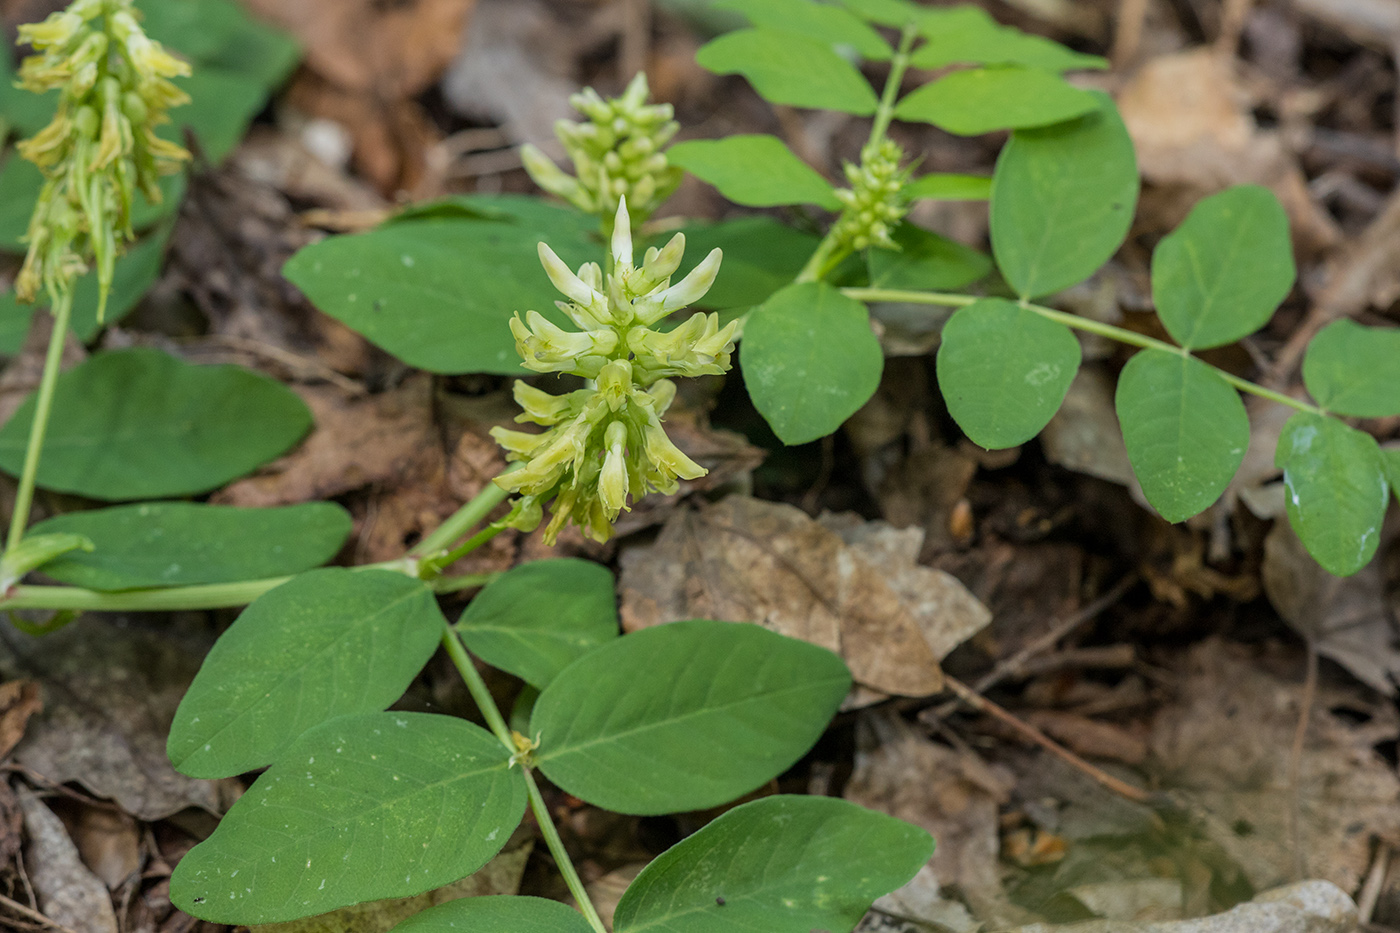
742	559
954	795
69	894
19	699
1225	745
109	842
1191	125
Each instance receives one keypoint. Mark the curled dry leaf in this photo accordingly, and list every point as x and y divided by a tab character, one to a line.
69	894
851	587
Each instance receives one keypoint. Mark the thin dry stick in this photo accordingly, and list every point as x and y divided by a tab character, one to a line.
32	915
1371	889
983	705
1295	765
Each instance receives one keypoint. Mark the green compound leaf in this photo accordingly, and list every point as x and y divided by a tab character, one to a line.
1004	371
968	35
829	24
1062	201
140	424
788	68
190	543
1336	490
925	261
327	643
949	187
707	712
496	914
358	809
761	255
782	864
1185	428
754	170
895	13
810	360
437	291
1354	370
982	100
537	619
1222	273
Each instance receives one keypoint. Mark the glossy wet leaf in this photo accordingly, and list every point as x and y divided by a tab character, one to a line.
141	424
982	100
754	170
1354	370
707	712
943	186
1220	275
788	68
925	261
1185	428
1336	491
1004	371
829	24
761	256
437	291
190	543
1062	201
781	864
328	643
360	808
496	914
537	619
809	360
966	34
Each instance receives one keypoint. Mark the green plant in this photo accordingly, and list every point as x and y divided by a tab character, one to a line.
358	803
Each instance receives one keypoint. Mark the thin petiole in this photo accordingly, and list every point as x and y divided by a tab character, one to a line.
464	519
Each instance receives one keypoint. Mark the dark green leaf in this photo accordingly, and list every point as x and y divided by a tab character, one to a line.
810	360
1336	490
437	293
140	424
925	261
327	643
189	543
761	255
358	809
754	170
966	34
1004	370
537	619
20	181
1390	459
941	186
787	68
1062	201
1354	370
829	24
219	33
706	712
981	100
25	111
782	864
1220	275
1185	428
496	914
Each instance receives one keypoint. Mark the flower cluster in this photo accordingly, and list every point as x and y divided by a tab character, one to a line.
605	442
616	154
874	204
101	146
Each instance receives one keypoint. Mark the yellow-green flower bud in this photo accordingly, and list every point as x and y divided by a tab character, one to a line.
874	204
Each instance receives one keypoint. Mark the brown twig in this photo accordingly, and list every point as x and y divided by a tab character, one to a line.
32	915
984	705
1295	764
1371	888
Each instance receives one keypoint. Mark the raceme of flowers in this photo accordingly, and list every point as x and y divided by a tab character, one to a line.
616	154
874	204
101	146
605	443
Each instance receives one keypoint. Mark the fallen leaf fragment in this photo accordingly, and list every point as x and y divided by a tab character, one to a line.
19	699
69	894
863	597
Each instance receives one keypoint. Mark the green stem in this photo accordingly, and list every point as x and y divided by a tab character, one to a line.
1121	334
465	518
561	855
898	65
496	722
24	499
430	567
